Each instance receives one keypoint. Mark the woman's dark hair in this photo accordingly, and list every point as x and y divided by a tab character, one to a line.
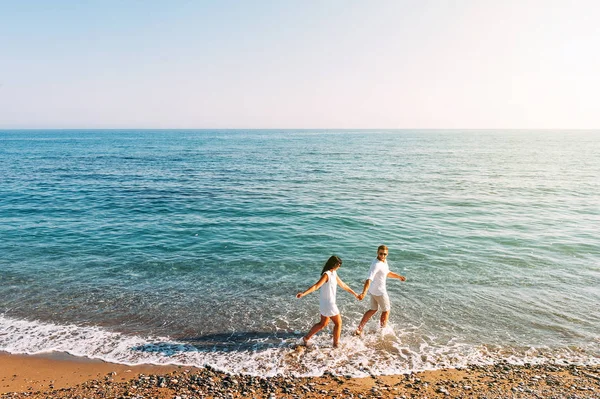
332	262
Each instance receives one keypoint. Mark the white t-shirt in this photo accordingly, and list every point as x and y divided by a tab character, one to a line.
327	306
378	275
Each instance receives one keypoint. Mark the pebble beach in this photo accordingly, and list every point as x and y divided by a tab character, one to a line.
47	377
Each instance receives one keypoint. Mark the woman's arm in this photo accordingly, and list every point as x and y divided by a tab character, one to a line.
345	286
315	287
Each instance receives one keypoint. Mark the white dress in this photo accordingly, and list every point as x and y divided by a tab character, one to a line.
327	305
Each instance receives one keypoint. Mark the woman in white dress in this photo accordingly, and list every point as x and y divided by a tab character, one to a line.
328	283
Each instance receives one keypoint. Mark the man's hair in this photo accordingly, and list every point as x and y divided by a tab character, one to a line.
382	247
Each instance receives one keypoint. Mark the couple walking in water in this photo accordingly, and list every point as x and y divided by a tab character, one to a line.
375	286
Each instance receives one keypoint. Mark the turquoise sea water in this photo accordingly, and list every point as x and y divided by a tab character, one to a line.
188	247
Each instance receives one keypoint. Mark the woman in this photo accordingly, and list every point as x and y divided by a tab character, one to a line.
328	283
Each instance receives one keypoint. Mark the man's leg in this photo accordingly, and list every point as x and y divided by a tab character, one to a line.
364	320
385	310
384	318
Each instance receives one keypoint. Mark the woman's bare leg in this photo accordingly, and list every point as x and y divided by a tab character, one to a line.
316	328
337	329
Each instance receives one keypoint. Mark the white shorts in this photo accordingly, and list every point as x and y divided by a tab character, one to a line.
380	301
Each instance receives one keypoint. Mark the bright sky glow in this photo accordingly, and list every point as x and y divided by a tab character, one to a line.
300	64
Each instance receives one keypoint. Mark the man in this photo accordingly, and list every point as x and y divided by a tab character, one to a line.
375	285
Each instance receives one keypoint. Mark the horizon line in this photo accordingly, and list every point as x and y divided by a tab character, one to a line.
292	128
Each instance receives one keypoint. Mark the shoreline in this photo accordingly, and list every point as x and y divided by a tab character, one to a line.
61	375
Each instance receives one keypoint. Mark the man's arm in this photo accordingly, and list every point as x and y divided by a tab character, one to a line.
395	275
365	289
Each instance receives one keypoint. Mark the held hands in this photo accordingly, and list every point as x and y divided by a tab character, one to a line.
361	296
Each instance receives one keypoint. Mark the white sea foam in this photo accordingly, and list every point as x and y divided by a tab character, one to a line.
375	353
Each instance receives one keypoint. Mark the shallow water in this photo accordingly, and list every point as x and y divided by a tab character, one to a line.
188	247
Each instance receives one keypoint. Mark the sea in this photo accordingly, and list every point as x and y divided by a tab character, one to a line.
187	247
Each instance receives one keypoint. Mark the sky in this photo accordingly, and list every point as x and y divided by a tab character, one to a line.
419	64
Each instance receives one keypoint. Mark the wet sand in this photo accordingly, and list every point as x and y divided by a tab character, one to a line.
64	376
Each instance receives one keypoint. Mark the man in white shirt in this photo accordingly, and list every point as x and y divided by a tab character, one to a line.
375	285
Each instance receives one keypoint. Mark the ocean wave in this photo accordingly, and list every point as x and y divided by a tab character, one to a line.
379	352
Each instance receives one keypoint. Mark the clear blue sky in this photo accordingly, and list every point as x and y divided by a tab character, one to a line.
300	64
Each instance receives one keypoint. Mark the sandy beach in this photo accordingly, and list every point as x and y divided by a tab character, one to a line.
64	376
